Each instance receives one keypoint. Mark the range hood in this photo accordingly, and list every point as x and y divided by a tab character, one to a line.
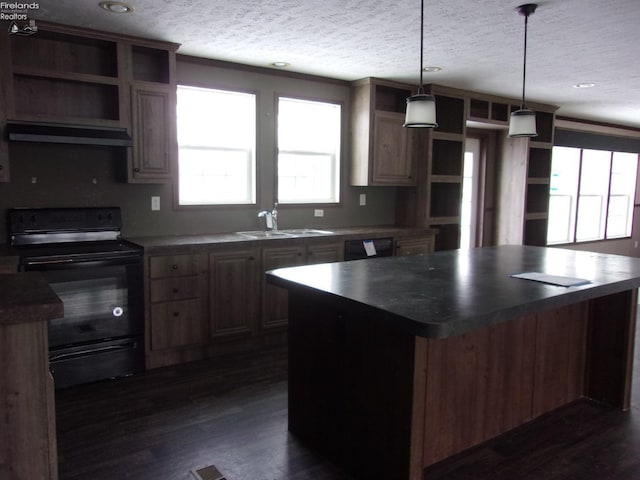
41	132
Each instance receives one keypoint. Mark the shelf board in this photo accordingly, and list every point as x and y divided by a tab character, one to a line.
488	121
538	144
538	181
97	122
67	76
456	137
536	216
446	178
444	220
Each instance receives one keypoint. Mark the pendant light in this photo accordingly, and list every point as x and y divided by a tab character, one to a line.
421	108
523	121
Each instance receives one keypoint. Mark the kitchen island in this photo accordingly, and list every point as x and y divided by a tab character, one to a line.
397	363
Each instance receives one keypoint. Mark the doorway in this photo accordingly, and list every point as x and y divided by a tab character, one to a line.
472	193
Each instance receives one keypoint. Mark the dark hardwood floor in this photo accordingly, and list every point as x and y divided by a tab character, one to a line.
232	412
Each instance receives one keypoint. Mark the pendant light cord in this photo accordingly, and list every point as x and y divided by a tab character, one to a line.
420	89
524	64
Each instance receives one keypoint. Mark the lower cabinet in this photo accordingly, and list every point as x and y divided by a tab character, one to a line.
216	299
274	299
325	252
177	296
414	245
234	292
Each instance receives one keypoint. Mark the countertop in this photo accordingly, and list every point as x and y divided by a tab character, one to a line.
27	297
453	292
198	241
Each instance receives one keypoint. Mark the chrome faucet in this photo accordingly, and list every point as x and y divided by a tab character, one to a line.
271	218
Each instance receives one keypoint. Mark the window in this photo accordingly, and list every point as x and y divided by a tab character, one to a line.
308	151
216	147
591	194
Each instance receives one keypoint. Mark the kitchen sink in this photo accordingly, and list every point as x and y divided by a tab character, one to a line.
265	234
290	232
307	231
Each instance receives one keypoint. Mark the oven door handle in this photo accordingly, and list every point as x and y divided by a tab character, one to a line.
64	263
93	351
49	262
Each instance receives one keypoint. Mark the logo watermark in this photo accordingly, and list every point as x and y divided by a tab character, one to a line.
17	13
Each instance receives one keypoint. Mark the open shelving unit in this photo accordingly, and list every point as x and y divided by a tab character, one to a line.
446	168
65	78
521	183
76	76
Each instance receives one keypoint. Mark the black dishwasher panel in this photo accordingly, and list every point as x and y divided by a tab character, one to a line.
356	250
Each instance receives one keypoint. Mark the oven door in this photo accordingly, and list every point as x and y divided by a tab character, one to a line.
102	299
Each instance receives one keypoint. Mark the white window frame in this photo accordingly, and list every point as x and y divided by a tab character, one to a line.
247	151
604	216
333	154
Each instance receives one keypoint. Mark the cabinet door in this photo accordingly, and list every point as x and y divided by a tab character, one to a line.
177	324
233	292
325	253
274	299
153	134
414	245
392	151
4	161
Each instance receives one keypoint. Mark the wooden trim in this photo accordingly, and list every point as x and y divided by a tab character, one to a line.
419	405
566	123
100	35
259	70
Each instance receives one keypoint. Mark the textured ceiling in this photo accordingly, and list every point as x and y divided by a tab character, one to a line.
478	43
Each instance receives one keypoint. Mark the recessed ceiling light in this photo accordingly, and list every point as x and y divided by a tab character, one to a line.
116	7
432	69
280	64
584	85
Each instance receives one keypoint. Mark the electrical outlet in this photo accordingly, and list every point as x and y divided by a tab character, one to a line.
363	199
155	203
318	212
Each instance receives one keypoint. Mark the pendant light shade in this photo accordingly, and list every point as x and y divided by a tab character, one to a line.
421	111
421	108
523	122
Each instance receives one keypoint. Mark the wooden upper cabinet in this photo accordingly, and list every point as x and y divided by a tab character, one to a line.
392	150
153	135
153	114
382	150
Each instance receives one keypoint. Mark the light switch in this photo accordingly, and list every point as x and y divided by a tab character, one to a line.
318	212
363	199
155	203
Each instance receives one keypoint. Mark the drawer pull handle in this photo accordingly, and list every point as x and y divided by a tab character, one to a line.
176	314
174	266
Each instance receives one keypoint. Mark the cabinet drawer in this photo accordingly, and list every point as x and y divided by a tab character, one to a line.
414	246
177	324
169	289
177	265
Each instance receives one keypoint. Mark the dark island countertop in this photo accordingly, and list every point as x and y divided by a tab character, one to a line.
453	292
27	297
